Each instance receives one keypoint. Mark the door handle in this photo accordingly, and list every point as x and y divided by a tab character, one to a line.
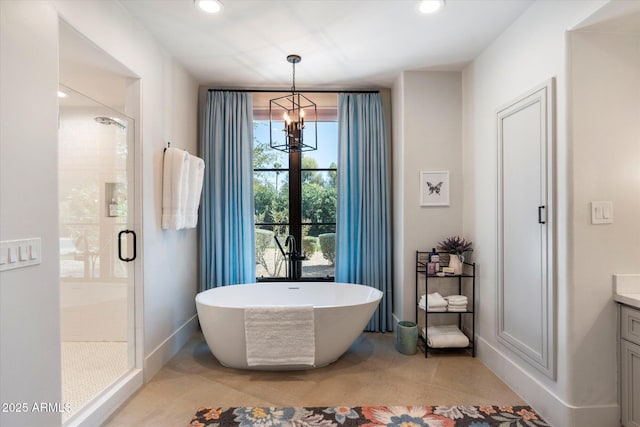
120	245
540	220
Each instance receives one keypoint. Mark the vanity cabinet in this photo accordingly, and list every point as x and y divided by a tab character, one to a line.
630	366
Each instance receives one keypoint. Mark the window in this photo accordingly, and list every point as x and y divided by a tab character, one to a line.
295	194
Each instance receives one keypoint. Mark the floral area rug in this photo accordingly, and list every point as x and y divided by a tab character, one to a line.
371	416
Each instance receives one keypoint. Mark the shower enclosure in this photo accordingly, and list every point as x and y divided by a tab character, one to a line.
96	194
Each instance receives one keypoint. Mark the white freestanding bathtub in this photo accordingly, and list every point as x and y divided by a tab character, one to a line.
340	310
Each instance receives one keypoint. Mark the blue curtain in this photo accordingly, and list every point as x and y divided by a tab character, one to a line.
227	245
363	235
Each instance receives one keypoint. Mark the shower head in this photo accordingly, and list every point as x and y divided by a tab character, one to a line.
109	121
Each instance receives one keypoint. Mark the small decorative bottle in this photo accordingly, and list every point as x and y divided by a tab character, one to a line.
435	259
113	208
434	262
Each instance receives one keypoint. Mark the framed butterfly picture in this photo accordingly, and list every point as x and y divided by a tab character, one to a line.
434	188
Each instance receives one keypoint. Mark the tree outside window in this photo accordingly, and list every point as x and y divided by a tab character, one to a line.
318	199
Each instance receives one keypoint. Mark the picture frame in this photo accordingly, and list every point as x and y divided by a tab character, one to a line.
434	188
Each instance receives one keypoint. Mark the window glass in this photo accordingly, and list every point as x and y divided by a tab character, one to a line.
269	259
319	244
271	196
326	156
317	196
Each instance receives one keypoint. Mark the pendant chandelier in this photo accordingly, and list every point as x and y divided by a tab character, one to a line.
289	113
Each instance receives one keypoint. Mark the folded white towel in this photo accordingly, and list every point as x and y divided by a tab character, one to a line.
446	336
431	309
280	335
457	304
457	309
175	176
464	304
456	299
196	176
435	300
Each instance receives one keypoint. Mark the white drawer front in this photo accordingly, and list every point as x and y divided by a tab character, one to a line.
630	324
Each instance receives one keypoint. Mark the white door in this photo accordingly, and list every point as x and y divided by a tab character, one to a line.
525	227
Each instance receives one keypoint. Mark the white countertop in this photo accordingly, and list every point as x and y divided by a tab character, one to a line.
626	289
628	299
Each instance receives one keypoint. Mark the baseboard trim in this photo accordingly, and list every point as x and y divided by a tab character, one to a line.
169	347
550	406
395	321
98	411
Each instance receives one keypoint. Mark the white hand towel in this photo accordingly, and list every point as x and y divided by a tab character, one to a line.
435	300
457	309
446	336
175	176
423	306
423	301
457	305
280	335
456	299
196	175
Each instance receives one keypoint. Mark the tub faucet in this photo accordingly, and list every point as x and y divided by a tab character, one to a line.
294	258
290	243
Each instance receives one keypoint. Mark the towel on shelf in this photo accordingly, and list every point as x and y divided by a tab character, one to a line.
456	299
457	304
445	336
196	176
280	335
423	302
175	176
437	309
435	300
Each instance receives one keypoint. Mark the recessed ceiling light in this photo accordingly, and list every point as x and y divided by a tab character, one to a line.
61	94
210	6
430	6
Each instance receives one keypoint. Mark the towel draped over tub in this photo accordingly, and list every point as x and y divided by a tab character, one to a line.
280	335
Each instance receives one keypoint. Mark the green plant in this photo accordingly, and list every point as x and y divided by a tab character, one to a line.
328	246
264	240
267	255
455	245
309	245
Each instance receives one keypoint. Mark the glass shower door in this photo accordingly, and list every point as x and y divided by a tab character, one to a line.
97	245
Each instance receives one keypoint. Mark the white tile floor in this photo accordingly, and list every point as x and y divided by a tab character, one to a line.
88	368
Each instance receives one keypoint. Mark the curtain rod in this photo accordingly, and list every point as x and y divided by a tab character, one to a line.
289	90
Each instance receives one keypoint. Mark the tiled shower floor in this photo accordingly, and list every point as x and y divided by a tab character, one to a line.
88	368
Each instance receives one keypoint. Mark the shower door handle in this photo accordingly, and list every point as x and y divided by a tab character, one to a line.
120	245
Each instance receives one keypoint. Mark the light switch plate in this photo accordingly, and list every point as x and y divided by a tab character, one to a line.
602	212
19	253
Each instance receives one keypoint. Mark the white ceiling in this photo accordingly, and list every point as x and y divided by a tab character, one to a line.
343	43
